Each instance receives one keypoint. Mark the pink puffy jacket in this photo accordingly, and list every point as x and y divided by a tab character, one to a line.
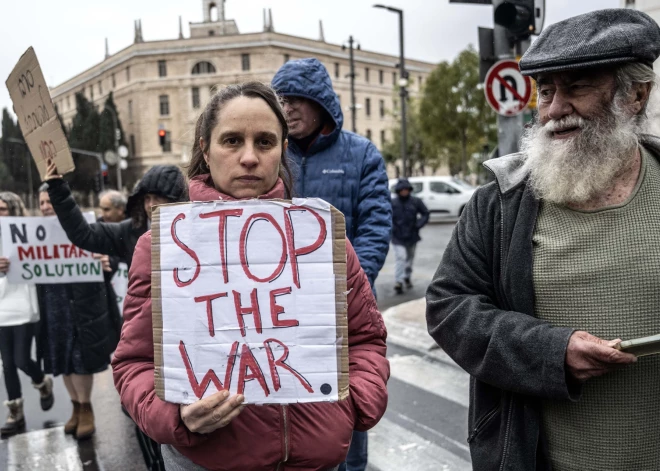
268	437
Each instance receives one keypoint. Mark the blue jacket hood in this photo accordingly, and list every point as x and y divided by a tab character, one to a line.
308	78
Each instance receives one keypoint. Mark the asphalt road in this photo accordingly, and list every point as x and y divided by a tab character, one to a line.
422	429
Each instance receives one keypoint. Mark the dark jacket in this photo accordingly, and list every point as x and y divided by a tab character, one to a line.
89	310
344	169
409	215
480	310
116	239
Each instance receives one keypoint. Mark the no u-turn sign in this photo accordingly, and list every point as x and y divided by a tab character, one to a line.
508	92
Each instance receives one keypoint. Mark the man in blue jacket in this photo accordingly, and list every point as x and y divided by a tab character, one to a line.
344	169
409	215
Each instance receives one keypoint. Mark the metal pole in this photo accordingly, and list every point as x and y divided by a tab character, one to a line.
115	131
403	93
352	75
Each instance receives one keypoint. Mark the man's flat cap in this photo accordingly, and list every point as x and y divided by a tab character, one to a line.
599	38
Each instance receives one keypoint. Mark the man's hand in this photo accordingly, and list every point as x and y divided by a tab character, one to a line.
105	261
51	172
4	265
588	356
211	413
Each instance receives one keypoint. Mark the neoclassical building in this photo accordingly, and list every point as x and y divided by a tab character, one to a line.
165	84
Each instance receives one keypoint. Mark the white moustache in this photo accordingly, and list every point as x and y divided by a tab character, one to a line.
564	123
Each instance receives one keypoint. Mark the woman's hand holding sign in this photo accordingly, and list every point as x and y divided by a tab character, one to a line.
211	413
4	265
51	172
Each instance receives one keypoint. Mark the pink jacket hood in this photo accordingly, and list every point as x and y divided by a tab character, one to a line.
201	188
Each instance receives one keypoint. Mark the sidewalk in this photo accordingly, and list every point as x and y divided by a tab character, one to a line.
406	327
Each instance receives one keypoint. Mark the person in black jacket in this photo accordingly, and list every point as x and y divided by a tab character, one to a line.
160	185
409	215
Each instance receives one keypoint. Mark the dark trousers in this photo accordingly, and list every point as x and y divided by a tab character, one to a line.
15	350
357	453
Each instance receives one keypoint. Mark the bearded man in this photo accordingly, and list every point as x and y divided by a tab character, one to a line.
555	262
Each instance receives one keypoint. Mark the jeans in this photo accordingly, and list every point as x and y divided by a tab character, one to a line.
15	350
357	453
403	260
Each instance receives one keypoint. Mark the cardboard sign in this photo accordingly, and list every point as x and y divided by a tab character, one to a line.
36	115
250	296
40	252
119	284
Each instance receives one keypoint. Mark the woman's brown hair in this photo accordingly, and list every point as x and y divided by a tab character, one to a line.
14	203
208	120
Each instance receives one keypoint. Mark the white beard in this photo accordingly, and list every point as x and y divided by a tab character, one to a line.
579	168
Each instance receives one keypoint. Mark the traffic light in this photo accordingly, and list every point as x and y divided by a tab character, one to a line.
518	17
162	134
97	182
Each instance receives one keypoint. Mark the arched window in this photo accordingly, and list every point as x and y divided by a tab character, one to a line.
203	68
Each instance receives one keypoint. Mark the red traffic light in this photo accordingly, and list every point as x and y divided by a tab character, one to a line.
162	133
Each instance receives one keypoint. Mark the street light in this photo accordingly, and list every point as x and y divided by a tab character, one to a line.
403	83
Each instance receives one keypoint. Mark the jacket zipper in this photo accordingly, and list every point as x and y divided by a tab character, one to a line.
304	164
285	430
483	423
506	434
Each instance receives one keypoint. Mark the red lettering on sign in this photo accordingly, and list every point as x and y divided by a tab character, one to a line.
294	253
208	299
248	361
222	234
253	309
210	377
187	250
273	364
276	309
243	247
25	253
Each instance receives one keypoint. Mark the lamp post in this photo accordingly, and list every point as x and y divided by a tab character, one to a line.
116	144
403	91
351	75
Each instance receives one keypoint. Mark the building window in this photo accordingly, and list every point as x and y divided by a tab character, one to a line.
91	93
132	144
68	103
420	82
130	111
366	74
211	33
381	77
381	108
382	139
336	69
162	69
128	74
164	105
203	68
167	147
287	58
630	3
114	83
367	106
195	97
100	88
245	61
393	78
368	134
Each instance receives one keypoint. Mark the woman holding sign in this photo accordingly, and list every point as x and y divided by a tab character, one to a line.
239	153
19	316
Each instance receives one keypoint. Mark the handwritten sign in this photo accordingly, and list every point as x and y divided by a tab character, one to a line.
40	252
250	296
119	284
36	115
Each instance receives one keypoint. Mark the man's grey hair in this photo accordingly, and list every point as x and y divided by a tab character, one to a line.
43	187
629	74
117	199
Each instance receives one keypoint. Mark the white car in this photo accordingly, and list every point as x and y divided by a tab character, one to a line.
443	196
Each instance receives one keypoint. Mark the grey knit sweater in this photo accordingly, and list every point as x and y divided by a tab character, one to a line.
599	271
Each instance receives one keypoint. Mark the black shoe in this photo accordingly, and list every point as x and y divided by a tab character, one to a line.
398	289
408	283
45	392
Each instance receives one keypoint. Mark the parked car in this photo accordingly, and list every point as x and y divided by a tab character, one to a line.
443	196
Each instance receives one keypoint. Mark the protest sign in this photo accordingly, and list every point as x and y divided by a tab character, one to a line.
119	284
36	114
250	296
40	252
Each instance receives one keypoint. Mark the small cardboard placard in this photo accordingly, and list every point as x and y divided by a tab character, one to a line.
36	115
250	296
39	252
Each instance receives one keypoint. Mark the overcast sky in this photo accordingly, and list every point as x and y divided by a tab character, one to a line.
69	35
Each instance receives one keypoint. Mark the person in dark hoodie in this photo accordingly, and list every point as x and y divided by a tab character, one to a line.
160	185
409	215
344	169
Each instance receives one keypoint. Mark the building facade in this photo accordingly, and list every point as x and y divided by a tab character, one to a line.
165	84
